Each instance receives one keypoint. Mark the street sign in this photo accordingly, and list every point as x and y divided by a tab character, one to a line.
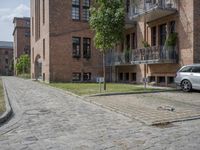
100	79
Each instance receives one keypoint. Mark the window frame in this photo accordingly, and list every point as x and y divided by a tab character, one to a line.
75	53
76	73
86	52
86	12
89	75
74	7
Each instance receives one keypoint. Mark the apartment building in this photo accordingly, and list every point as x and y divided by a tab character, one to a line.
160	37
21	36
6	58
62	46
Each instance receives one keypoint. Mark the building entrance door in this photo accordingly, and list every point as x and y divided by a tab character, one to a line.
38	68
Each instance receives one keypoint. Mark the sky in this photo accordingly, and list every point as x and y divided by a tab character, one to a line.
8	10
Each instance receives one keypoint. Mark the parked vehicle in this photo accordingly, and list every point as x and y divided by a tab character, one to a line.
188	77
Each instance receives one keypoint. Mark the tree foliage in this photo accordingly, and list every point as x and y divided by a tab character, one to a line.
107	20
23	64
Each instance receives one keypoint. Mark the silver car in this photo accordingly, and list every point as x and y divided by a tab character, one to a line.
188	77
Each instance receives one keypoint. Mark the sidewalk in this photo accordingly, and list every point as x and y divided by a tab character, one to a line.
150	108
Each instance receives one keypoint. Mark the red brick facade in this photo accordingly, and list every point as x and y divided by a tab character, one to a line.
185	16
6	58
53	29
21	36
54	47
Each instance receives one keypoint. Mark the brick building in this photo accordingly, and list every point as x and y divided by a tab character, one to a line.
6	58
61	42
160	37
21	35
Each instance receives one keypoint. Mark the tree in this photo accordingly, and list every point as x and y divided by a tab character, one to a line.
23	64
107	20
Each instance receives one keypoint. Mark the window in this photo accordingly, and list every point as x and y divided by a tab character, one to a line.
76	76
76	9
6	61
87	76
43	48
37	20
128	42
121	76
43	11
127	76
76	44
6	52
172	27
153	36
27	49
32	26
133	41
163	34
86	7
27	23
32	55
27	33
127	6
133	77
186	69
196	69
86	47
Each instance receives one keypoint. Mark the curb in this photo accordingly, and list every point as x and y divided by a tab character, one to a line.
127	93
7	114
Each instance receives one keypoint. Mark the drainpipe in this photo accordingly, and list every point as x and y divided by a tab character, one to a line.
145	65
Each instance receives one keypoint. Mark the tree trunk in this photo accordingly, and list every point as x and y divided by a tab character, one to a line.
104	71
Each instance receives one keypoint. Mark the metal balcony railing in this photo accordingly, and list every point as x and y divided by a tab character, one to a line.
155	54
148	5
118	58
149	55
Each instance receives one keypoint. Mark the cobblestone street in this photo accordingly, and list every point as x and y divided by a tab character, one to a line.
49	119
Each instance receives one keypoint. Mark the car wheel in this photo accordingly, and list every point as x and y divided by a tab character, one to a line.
186	85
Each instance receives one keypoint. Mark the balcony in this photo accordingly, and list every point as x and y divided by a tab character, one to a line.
129	22
151	11
118	58
155	55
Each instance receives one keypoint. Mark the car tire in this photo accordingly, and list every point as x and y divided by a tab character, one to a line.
186	86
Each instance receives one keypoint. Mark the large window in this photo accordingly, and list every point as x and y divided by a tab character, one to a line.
172	26
76	76
86	7
127	6
86	47
76	9
153	36
76	44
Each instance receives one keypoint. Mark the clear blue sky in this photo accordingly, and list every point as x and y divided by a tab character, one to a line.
8	10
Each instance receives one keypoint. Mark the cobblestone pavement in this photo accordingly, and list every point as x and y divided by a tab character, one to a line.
49	119
154	108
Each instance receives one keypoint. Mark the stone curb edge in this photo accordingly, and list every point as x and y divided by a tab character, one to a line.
127	93
7	114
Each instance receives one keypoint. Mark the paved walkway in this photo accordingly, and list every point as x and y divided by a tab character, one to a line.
154	108
49	119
